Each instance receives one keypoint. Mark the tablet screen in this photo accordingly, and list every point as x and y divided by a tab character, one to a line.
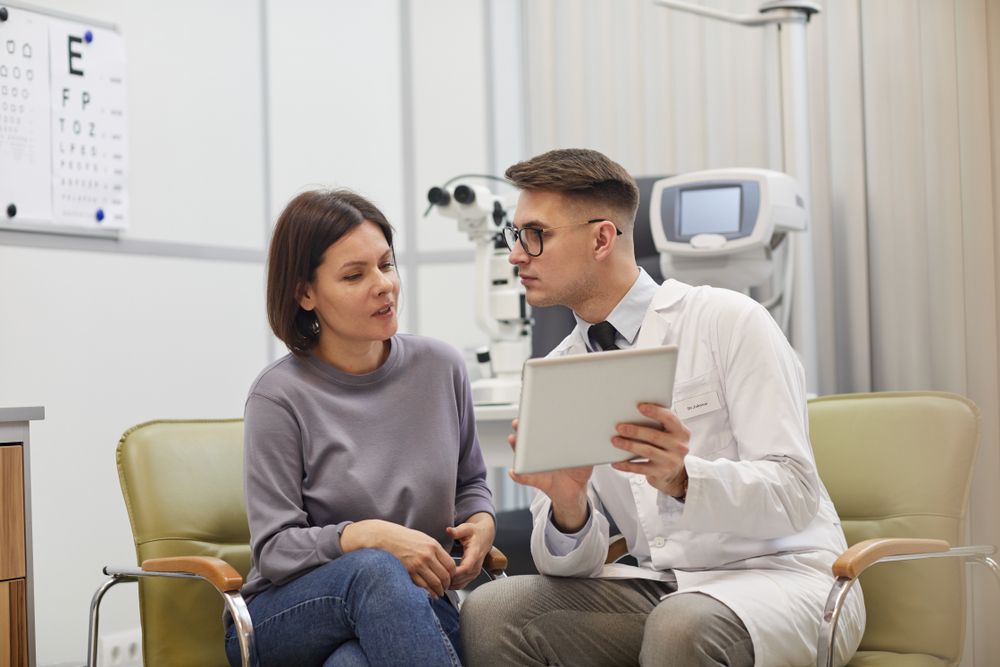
570	405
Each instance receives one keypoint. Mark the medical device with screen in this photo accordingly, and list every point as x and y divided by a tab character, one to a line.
721	227
723	211
709	210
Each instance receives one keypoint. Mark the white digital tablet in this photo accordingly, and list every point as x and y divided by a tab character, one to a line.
570	405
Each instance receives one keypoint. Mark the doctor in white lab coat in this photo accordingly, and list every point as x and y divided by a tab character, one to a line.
729	505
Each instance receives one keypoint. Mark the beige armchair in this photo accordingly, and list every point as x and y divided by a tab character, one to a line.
183	486
898	467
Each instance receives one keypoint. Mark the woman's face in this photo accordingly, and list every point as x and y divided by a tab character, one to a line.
356	289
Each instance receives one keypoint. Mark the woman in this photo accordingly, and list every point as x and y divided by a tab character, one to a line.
362	465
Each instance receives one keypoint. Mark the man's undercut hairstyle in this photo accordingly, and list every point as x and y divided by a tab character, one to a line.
311	223
580	174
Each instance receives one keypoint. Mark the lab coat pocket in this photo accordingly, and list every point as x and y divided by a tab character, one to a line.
700	404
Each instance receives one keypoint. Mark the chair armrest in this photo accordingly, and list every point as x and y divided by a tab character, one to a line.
617	548
495	562
215	571
864	554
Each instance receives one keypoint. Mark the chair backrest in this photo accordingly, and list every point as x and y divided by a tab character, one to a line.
899	464
183	487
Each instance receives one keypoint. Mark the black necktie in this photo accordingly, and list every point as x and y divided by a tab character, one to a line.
602	335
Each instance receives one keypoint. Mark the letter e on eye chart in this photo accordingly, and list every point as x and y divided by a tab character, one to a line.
89	146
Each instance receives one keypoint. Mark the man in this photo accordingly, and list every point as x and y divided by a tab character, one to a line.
732	528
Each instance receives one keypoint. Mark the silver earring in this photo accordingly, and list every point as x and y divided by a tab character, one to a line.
314	327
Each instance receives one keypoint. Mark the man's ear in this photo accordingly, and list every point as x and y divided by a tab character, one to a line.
604	240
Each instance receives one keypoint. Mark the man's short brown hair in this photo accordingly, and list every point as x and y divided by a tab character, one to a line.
580	174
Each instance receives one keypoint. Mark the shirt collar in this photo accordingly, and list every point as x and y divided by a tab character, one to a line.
627	316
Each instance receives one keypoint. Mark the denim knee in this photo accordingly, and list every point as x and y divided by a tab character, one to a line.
377	568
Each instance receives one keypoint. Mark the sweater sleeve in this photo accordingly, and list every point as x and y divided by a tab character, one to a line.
283	542
472	495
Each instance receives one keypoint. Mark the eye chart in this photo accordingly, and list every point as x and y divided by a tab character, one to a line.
63	141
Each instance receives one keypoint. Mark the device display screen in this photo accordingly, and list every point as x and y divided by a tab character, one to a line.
710	211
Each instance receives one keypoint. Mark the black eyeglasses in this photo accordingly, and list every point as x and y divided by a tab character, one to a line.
531	237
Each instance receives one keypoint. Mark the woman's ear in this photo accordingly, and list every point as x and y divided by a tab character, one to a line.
304	295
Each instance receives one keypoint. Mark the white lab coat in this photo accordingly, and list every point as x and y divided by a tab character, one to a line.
758	530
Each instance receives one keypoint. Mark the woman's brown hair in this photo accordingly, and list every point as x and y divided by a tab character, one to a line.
311	223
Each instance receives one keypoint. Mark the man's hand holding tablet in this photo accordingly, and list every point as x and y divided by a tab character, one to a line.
606	407
570	407
566	487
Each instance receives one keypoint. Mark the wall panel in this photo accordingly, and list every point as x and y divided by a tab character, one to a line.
448	67
446	299
194	98
105	342
333	123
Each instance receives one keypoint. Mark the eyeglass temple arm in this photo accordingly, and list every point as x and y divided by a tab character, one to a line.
618	232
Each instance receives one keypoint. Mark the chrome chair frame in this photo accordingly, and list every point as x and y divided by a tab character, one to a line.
492	575
842	585
234	603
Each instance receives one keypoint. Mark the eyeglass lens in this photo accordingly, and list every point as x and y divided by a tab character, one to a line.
530	238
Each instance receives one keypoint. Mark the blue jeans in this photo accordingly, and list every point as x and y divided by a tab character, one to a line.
360	609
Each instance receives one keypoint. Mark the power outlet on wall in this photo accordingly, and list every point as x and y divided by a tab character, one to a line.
120	649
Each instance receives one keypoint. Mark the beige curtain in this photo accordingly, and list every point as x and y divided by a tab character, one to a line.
905	133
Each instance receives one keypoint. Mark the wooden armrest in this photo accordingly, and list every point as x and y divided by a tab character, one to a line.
616	549
216	571
495	561
859	557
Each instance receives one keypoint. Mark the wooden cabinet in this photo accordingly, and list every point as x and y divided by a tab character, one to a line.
13	624
12	517
16	599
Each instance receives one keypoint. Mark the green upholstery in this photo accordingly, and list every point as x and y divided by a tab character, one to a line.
900	464
183	487
895	464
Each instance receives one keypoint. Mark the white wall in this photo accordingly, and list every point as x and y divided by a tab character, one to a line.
335	100
104	342
166	323
233	109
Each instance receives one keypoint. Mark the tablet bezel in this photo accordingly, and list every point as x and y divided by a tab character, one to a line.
595	392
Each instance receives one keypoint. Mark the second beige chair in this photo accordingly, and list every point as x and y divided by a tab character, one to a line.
898	466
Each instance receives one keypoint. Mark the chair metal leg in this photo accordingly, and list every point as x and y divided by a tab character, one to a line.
838	594
234	602
989	563
244	627
828	624
95	606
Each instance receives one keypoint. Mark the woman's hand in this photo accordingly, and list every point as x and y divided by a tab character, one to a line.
429	565
476	537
